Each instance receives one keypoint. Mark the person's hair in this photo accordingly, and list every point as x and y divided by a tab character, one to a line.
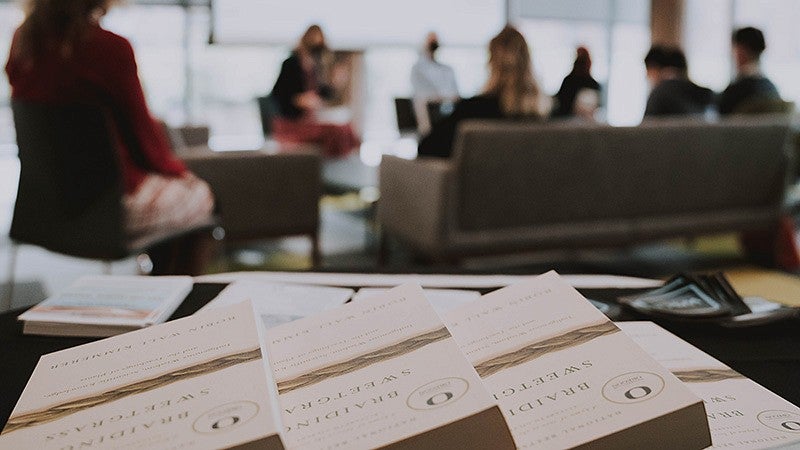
583	62
511	74
55	24
676	59
656	57
305	40
751	39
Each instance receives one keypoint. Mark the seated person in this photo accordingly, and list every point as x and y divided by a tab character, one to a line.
750	83
301	90
575	87
61	55
672	92
431	81
510	93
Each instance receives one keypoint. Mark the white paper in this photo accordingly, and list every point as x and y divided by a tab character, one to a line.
114	300
442	300
281	303
426	280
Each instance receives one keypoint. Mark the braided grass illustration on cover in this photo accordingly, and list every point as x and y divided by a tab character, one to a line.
707	375
67	408
550	345
367	359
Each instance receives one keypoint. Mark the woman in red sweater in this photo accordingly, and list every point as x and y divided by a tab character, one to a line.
61	55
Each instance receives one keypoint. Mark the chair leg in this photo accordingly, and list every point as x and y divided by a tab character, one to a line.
316	257
106	267
12	267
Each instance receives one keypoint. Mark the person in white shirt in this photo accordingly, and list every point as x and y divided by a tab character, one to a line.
431	81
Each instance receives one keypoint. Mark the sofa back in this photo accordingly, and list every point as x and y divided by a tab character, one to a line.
512	175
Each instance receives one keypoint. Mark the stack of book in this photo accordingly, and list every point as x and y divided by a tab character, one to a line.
741	413
533	365
199	382
101	306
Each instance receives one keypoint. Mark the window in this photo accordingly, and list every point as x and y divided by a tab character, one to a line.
778	20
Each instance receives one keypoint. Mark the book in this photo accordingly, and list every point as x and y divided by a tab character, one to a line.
442	300
280	303
203	382
380	373
741	413
565	376
104	305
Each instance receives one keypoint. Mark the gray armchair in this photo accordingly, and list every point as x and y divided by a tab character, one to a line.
262	195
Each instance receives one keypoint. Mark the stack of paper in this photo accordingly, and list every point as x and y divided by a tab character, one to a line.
100	306
281	303
741	413
384	372
565	376
199	382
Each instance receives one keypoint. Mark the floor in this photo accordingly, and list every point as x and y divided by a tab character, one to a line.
349	243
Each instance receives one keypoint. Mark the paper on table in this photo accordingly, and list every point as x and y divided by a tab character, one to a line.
428	281
565	376
741	413
113	300
281	303
373	373
442	300
163	387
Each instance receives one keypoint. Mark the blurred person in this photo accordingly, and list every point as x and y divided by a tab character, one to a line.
431	81
579	94
61	55
750	83
511	92
672	93
302	89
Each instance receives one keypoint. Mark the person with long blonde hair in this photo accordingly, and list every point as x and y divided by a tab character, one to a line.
511	92
60	55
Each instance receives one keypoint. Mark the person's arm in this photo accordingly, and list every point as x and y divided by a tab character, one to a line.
146	141
726	100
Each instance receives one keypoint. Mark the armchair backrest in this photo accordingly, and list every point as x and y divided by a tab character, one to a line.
513	175
70	186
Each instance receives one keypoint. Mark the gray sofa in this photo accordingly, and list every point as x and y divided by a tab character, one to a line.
513	186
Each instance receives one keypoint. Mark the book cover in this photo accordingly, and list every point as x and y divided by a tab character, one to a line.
565	376
380	373
104	305
280	303
199	382
741	413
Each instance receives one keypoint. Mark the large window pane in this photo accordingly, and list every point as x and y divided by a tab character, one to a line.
627	84
778	19
707	42
10	18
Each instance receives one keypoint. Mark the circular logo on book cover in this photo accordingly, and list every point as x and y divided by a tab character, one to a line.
780	420
633	387
437	393
226	417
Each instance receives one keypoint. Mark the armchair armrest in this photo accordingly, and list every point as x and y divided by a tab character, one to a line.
414	198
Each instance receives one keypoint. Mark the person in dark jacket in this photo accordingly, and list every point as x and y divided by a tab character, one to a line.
302	89
673	93
510	93
750	84
578	81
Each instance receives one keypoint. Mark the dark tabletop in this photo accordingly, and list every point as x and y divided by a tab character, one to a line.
769	354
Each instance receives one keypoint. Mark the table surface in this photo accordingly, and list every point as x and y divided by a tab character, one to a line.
769	355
